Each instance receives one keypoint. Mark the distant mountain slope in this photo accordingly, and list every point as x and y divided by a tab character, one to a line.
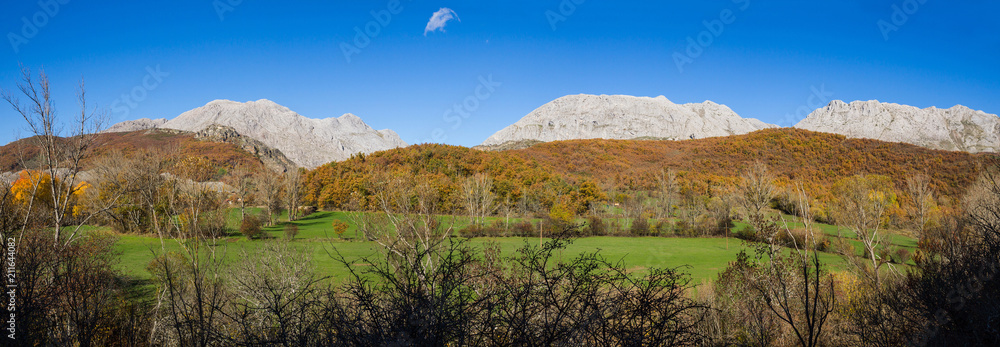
182	144
272	158
544	171
958	128
134	125
307	142
624	117
819	159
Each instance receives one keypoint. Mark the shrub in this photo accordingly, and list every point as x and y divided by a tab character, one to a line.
795	238
723	226
291	230
841	246
901	256
251	227
523	229
639	227
497	229
748	233
918	257
473	230
213	224
339	227
664	226
824	244
306	210
555	226
682	228
596	226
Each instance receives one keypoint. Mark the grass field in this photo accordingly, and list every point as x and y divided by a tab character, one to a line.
703	258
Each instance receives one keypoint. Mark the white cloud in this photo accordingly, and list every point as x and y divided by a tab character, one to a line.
440	19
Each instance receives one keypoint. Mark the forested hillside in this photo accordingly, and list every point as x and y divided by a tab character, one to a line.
579	171
221	156
819	159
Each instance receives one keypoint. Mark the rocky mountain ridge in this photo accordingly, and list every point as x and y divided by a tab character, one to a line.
958	128
136	125
624	117
272	158
305	141
298	138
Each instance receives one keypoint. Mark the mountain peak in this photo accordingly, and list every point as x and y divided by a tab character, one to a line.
136	125
306	141
349	116
955	128
586	116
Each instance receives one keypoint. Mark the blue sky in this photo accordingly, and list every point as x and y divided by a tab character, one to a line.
764	59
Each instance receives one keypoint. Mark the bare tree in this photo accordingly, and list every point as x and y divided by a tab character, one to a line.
803	206
861	204
278	299
292	187
149	167
667	184
794	286
8	217
921	195
131	183
755	189
241	178
982	203
61	153
89	288
506	209
742	314
480	201
198	205
407	227
190	295
268	192
190	289
692	207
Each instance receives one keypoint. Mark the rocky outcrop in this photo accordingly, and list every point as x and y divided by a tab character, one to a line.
507	146
307	142
624	117
136	125
958	128
272	158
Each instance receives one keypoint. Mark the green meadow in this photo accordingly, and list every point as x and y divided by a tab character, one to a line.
702	258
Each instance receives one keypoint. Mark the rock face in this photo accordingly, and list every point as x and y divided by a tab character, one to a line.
956	129
136	125
307	142
272	158
624	117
